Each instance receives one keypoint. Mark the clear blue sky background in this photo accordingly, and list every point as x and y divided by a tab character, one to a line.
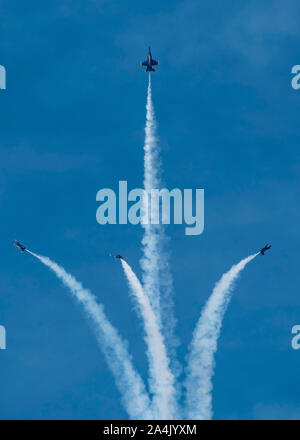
72	121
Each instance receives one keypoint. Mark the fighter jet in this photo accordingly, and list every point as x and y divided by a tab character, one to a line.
118	256
19	246
150	62
264	249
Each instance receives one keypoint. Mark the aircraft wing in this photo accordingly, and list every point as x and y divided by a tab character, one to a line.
154	63
144	63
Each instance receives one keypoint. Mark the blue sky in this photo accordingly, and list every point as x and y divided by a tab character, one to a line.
72	122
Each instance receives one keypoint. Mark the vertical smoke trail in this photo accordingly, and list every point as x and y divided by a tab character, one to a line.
151	239
161	379
130	384
201	363
157	278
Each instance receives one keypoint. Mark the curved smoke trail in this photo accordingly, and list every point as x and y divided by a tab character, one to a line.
157	278
129	383
201	362
161	379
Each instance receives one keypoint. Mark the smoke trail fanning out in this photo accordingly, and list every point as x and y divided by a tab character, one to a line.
157	278
154	303
161	378
131	387
201	361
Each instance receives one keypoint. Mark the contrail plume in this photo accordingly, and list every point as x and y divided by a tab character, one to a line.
161	379
157	278
129	383
151	239
201	361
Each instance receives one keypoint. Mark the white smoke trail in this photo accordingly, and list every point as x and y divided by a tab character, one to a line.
130	384
201	362
157	278
161	379
151	240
